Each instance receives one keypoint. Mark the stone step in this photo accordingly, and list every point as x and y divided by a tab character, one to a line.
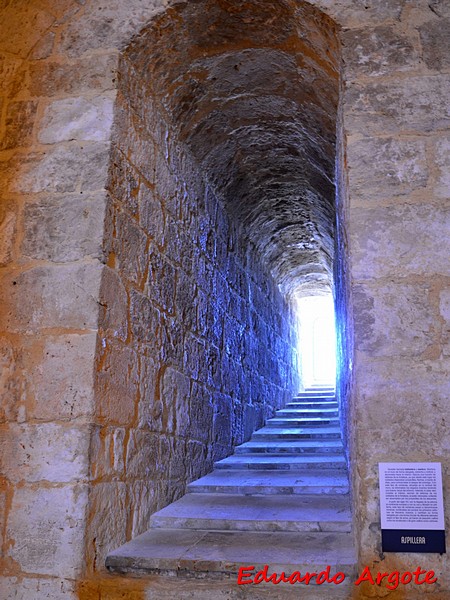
287	422
307	412
319	386
319	405
294	447
282	462
310	411
271	482
295	433
315	395
227	512
177	551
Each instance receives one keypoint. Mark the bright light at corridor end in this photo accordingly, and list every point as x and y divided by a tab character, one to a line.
317	340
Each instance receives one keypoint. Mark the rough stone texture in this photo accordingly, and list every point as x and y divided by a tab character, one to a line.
258	113
47	221
191	357
382	235
442	162
18	124
396	131
48	589
68	394
392	328
434	36
399	167
378	51
8	221
77	118
410	104
58	169
66	297
28	452
92	74
45	531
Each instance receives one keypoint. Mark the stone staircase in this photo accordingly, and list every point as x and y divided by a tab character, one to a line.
281	499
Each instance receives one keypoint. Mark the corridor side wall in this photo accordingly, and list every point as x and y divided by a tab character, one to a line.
197	347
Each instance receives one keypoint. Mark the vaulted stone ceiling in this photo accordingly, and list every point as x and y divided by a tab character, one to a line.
252	89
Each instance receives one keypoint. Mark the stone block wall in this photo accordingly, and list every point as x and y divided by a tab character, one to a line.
59	58
196	345
396	125
53	173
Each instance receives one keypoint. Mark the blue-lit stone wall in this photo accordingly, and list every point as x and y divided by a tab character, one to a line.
197	345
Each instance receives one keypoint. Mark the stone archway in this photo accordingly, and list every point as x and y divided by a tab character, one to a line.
60	57
221	205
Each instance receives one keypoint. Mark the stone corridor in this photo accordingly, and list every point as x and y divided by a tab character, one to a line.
174	175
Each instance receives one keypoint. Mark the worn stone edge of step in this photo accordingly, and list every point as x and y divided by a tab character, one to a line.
189	555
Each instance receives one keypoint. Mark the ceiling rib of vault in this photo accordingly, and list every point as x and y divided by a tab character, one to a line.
252	88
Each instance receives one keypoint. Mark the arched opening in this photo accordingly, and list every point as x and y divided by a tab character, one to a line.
222	207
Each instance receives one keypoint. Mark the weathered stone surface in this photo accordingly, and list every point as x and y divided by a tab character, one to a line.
257	152
377	51
393	319
47	526
67	297
123	181
354	13
442	164
98	73
12	74
107	444
77	119
413	105
160	284
8	220
142	454
113	302
44	47
116	383
175	392
24	588
150	409
64	228
9	385
386	239
19	123
68	393
434	36
143	497
16	20
380	168
102	29
444	307
135	140
410	104
151	214
419	409
45	451
108	521
62	169
440	8
131	249
145	320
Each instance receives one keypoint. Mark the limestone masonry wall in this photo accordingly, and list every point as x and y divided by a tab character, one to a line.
89	392
196	345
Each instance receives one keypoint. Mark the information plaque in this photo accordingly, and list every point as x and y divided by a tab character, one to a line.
412	507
